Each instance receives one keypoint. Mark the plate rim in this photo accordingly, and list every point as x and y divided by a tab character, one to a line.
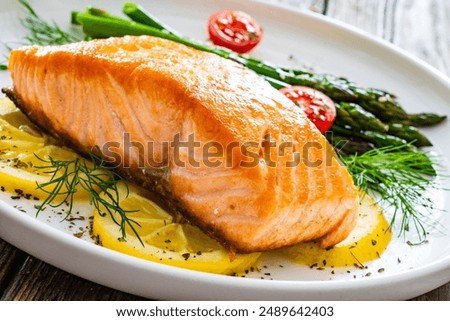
53	234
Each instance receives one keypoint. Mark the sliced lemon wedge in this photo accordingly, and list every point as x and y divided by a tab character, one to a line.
7	107
24	151
166	239
366	242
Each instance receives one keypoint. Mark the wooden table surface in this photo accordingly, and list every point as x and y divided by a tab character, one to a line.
422	27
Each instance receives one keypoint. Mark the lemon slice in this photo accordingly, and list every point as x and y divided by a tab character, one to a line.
7	107
366	242
23	153
166	239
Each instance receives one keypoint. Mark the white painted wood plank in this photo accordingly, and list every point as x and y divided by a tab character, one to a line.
423	28
367	15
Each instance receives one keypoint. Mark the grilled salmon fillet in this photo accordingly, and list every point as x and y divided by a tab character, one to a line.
211	137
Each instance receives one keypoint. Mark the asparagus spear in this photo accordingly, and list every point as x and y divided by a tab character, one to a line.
353	116
138	14
277	84
102	26
356	117
348	145
382	139
423	119
376	138
381	104
343	118
409	133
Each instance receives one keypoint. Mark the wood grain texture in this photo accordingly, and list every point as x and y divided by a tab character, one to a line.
11	259
369	15
440	294
421	27
39	281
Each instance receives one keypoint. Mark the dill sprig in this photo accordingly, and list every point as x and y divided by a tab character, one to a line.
401	179
70	176
40	32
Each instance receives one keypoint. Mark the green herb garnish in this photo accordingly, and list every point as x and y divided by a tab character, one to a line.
400	178
40	32
70	176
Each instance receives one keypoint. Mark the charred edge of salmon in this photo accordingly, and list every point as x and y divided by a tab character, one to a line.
156	180
45	126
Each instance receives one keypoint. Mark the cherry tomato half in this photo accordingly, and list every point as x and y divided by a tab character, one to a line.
318	107
234	30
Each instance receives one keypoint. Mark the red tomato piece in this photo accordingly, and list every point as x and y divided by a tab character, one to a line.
234	30
318	107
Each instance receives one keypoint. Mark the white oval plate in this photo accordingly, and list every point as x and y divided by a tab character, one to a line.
291	38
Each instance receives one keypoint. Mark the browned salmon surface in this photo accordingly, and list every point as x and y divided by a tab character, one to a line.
256	175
